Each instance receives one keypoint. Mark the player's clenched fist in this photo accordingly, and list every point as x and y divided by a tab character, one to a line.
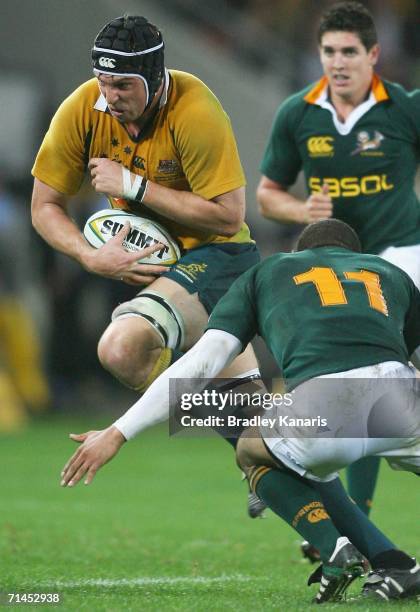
106	176
318	206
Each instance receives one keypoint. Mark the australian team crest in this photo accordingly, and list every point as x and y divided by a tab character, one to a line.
367	144
168	166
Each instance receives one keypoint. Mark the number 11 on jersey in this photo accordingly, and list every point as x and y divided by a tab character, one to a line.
331	290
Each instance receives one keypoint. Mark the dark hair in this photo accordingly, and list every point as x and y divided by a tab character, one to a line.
349	17
330	232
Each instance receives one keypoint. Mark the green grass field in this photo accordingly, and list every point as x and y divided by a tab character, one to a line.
163	527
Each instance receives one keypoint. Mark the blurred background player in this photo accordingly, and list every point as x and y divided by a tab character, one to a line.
367	302
24	387
356	137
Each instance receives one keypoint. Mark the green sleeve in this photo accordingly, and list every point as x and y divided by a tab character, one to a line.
282	161
407	105
235	312
412	321
414	99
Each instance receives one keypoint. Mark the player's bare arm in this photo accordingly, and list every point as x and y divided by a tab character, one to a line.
209	356
223	215
52	221
277	204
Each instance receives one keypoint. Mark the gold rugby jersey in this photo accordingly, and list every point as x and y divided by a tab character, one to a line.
189	146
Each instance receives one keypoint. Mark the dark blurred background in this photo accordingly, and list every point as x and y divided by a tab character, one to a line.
252	53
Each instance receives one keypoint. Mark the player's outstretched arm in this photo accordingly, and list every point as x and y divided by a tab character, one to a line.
205	360
213	352
277	204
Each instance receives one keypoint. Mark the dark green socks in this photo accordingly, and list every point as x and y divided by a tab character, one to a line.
351	521
361	481
296	501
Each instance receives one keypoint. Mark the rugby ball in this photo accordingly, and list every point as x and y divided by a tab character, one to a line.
104	224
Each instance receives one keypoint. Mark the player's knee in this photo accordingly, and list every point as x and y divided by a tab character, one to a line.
158	313
127	353
138	344
113	352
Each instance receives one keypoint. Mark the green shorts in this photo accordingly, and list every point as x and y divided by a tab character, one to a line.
211	269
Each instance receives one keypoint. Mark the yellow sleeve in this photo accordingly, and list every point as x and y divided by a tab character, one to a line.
205	140
62	157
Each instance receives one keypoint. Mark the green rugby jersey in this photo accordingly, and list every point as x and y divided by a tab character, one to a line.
369	162
324	310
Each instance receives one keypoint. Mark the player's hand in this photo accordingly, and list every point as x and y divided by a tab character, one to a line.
106	176
97	448
318	206
113	261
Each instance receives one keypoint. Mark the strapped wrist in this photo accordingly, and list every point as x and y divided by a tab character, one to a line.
133	190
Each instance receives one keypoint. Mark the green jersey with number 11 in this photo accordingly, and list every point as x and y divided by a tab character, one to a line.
324	310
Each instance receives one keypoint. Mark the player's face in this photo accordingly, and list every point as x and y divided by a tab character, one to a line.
347	64
125	96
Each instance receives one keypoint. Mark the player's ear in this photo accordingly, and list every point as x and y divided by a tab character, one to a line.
374	54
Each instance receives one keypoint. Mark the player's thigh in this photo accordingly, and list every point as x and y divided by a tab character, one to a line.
195	320
200	279
189	291
188	305
401	453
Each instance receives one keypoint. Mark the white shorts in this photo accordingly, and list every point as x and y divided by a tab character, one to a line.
407	258
366	411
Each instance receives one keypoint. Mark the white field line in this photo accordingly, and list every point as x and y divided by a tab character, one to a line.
143	581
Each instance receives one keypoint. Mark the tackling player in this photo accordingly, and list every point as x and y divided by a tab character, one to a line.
356	137
329	315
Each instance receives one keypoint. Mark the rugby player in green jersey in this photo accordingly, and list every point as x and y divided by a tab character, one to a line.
356	137
329	314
